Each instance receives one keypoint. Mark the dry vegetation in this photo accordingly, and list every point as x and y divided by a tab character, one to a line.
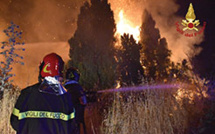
6	107
159	111
151	111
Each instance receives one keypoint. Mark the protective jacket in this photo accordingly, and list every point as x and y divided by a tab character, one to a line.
78	99
37	112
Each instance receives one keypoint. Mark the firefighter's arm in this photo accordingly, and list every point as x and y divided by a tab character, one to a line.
83	100
14	119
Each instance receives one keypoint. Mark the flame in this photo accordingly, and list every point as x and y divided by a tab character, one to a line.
125	26
190	94
118	85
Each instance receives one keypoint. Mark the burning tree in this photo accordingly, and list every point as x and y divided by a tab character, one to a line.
92	46
9	52
156	55
130	68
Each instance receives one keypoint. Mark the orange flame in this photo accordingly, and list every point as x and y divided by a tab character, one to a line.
125	26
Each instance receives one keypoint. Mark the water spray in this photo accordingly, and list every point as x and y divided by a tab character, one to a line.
140	88
92	95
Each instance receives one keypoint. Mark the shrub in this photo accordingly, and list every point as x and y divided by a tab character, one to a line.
6	108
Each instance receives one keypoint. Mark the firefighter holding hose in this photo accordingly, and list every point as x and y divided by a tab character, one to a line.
78	96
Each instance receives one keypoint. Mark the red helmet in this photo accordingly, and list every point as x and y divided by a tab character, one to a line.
52	65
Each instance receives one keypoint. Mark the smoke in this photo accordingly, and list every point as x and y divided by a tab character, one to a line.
164	14
42	21
3	37
45	24
54	21
51	21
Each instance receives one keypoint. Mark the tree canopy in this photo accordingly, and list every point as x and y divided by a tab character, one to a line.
129	66
155	53
92	46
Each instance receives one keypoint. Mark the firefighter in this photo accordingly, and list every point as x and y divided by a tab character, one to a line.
78	96
46	107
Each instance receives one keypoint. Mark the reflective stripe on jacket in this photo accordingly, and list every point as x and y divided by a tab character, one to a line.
36	112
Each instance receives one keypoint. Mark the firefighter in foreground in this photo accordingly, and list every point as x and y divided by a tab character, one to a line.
46	107
78	96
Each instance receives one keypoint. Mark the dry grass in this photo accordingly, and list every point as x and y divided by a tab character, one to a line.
150	112
158	111
6	107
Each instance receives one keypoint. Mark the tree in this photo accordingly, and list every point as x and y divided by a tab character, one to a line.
129	66
156	55
92	46
163	59
180	71
9	50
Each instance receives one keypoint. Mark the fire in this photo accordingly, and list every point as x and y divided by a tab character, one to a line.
126	26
